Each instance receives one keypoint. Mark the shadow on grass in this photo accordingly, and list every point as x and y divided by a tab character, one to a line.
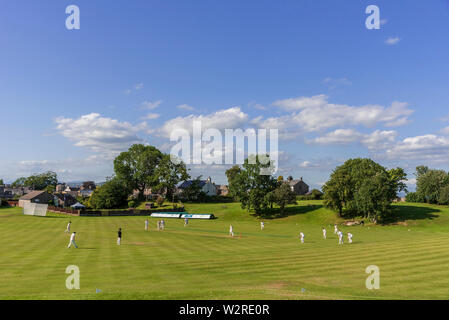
409	212
275	213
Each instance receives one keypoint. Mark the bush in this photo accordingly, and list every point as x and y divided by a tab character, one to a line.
132	204
413	197
314	195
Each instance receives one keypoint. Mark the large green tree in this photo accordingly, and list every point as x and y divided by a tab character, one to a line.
169	173
283	195
363	187
443	197
251	184
143	167
194	190
44	181
232	174
429	183
111	195
19	182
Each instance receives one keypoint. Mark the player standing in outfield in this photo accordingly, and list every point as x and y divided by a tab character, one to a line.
302	237
349	237
262	225
231	231
163	224
146	225
72	240
340	237
186	221
335	229
119	236
324	233
68	227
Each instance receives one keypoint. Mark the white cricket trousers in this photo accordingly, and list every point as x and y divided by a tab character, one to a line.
119	241
72	242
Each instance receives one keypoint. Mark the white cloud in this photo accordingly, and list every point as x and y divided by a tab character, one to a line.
427	147
99	134
294	104
445	131
375	141
185	107
392	40
151	116
148	105
310	114
95	168
231	118
339	136
379	140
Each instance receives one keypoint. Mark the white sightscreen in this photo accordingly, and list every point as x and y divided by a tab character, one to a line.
35	209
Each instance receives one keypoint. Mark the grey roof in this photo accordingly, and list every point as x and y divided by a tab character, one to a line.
31	195
188	183
295	182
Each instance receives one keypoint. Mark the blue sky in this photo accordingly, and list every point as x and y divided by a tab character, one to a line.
71	99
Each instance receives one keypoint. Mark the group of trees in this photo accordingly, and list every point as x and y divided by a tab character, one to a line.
140	168
432	186
43	181
255	188
362	187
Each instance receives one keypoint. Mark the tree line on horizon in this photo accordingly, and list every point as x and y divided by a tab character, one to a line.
359	187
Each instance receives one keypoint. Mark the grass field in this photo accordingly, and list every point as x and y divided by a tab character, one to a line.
202	262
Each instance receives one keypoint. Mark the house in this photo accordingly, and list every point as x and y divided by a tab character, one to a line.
5	193
88	185
206	186
85	193
36	197
60	187
299	187
20	191
222	190
63	200
72	191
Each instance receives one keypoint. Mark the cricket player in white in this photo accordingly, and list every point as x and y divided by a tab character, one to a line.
302	237
72	240
231	231
335	229
349	237
324	233
119	236
186	221
262	225
146	225
68	227
340	237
